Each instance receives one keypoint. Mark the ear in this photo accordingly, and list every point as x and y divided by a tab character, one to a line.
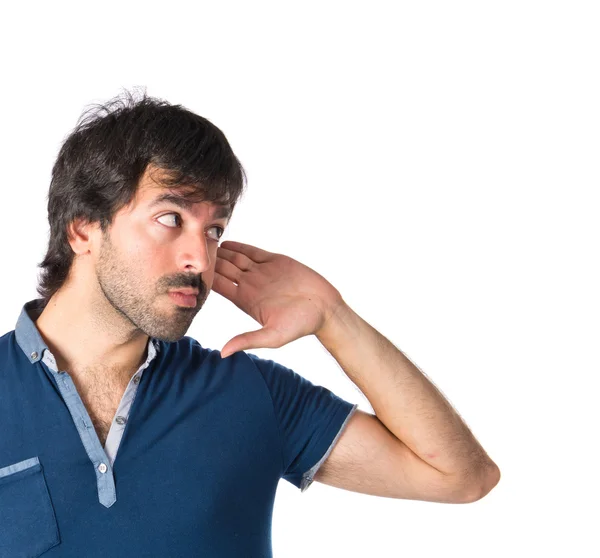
81	235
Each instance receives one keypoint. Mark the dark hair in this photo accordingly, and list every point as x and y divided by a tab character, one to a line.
100	163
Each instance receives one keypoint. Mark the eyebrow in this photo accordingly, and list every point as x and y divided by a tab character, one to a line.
221	212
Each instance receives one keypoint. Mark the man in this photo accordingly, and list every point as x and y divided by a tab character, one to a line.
122	436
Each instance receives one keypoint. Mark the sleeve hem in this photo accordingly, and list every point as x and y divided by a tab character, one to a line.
308	477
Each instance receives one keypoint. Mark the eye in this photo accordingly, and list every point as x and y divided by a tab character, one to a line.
178	217
221	233
171	214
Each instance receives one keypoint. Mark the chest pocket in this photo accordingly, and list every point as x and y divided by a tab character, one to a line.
28	525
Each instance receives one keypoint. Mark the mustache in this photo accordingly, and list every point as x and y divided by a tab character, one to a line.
186	282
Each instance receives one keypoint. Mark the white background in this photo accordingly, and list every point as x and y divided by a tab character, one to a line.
437	162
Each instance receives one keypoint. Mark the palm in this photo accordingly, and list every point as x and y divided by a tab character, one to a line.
290	300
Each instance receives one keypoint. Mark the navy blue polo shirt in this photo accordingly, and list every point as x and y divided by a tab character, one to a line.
191	463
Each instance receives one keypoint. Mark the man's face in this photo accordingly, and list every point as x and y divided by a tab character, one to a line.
153	248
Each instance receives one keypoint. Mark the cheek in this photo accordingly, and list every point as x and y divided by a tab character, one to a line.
143	254
144	242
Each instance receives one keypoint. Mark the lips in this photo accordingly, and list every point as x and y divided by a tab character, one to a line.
183	299
186	292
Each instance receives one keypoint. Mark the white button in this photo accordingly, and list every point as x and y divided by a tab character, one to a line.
136	380
120	420
102	468
34	355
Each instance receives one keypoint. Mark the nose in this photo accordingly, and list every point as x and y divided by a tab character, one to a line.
197	253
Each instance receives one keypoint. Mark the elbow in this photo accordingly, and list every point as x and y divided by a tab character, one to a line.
490	479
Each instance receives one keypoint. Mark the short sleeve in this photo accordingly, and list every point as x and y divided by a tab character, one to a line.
310	419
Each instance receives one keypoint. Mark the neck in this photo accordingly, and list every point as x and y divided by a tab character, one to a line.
89	336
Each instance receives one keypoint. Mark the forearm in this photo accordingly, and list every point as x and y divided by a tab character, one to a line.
403	399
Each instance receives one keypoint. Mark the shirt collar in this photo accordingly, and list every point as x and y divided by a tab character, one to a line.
30	340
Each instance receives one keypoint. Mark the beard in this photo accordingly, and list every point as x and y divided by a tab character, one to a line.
147	308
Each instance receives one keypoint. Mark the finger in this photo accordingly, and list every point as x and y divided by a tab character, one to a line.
257	339
252	252
228	269
225	287
239	260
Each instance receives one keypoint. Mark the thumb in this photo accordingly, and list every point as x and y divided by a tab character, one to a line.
257	339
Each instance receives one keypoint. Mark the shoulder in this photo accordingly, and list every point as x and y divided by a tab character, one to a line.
7	355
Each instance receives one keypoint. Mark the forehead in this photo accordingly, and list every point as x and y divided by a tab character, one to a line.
152	192
152	184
